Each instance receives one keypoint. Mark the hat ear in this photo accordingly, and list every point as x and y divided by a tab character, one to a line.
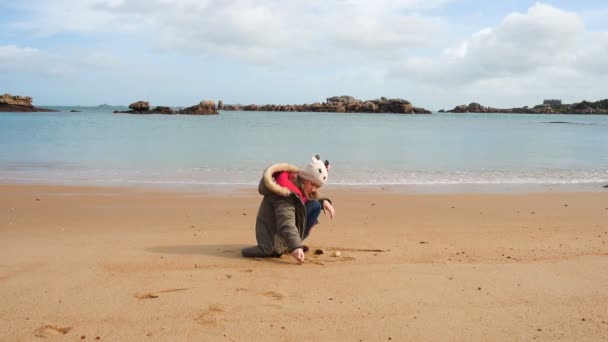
315	158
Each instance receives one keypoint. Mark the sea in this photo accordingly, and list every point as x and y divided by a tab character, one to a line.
419	152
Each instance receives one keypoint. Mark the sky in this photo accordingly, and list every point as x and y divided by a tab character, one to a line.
434	53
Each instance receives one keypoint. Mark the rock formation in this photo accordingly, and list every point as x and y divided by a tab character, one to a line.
162	110
16	100
140	105
143	107
10	103
339	104
204	108
584	107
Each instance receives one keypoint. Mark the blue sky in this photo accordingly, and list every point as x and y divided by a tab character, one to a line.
434	53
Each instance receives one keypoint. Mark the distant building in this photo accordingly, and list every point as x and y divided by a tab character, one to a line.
552	102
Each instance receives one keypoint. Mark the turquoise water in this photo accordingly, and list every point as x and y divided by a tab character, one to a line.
234	147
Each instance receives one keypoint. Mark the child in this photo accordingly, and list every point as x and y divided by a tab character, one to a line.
289	209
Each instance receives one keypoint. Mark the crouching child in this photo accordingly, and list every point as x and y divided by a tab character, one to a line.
289	209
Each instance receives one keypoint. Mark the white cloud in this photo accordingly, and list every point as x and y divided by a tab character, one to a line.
13	53
17	59
539	53
394	32
591	59
46	18
545	36
259	31
29	60
103	61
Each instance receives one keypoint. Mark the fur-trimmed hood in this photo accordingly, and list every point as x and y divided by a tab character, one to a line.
267	183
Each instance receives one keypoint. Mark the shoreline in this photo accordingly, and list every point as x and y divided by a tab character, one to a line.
463	188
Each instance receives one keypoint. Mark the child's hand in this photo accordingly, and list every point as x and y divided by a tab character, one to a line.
328	207
298	254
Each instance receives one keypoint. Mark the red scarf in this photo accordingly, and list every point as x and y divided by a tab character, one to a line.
284	179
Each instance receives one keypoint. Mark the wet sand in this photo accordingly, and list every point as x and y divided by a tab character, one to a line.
81	263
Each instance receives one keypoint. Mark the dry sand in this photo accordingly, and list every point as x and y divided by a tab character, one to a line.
115	264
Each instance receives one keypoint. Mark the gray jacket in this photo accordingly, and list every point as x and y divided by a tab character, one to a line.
281	218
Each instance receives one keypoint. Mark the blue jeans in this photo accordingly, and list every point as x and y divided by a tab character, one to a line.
313	210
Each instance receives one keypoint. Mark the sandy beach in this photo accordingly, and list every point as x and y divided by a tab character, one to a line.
124	264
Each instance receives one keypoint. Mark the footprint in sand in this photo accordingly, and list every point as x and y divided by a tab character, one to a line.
273	295
209	316
316	262
150	295
346	259
343	249
17	270
51	330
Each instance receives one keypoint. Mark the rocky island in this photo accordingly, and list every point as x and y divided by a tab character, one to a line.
10	103
206	107
549	107
337	104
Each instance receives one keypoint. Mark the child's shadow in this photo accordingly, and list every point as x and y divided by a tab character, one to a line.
225	251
